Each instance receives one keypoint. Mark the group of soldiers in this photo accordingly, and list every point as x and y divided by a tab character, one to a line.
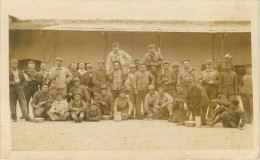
149	90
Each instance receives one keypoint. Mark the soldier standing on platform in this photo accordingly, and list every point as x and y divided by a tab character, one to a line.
152	57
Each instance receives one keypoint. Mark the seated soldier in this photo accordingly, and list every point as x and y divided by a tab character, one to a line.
77	107
104	100
163	105
80	89
41	102
230	116
59	109
179	106
93	113
149	102
123	105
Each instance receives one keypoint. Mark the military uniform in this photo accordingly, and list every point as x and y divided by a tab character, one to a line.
59	110
167	81
93	114
38	97
183	76
105	103
117	78
123	105
129	85
163	112
149	104
100	79
88	81
149	59
77	109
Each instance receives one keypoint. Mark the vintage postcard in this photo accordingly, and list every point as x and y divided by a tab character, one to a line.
129	79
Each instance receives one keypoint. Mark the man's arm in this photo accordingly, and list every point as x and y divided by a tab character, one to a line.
169	100
87	96
146	102
69	76
151	77
127	57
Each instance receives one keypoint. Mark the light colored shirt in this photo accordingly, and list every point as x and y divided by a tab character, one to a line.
82	71
165	99
246	84
141	80
59	106
130	80
121	56
16	76
59	76
150	100
117	78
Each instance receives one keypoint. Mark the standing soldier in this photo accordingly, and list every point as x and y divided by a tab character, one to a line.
33	79
82	69
218	66
136	63
118	55
209	80
141	82
149	103
99	77
152	57
155	72
163	106
129	85
88	81
43	72
105	101
197	100
117	79
166	79
176	72
80	89
246	92
16	82
228	84
74	72
60	77
184	75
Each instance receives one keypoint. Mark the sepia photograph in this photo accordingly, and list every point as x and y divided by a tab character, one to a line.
119	84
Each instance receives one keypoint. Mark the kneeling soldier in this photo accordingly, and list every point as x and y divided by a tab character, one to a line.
123	105
59	109
179	106
93	113
77	107
163	106
41	102
149	102
230	116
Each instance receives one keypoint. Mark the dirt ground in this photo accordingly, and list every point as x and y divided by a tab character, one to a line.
125	135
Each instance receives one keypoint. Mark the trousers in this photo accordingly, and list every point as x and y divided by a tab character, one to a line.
247	101
140	97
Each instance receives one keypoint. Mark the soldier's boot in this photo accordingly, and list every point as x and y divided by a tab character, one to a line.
170	118
212	123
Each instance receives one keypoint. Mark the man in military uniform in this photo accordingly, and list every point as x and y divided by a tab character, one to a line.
197	100
105	101
166	79
152	57
141	82
80	89
149	102
176	72
93	113
136	63
163	106
33	79
118	55
60	77
117	79
155	72
227	84
218	66
77	107
16	83
75	73
246	92
123	105
209	80
44	73
99	77
41	101
184	75
88	81
82	69
230	114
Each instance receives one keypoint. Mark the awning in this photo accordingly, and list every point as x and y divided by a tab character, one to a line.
131	25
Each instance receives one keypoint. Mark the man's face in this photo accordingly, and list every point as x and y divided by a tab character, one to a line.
116	48
136	63
59	97
77	97
90	69
76	83
166	66
186	64
175	69
228	66
31	66
152	51
209	66
45	88
73	66
122	95
116	66
81	66
59	63
14	65
43	66
178	89
248	70
161	92
101	66
151	91
103	92
218	64
153	68
143	68
132	70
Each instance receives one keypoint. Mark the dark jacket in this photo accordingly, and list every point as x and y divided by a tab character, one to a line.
11	80
39	97
228	84
196	97
87	80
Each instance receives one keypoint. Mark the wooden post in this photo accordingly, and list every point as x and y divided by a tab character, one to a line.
105	46
213	47
159	42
